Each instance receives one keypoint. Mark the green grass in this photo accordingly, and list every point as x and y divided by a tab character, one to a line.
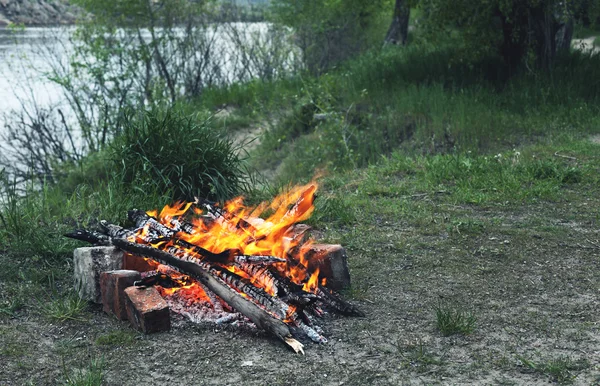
184	156
560	369
413	99
451	320
65	308
417	356
117	338
93	375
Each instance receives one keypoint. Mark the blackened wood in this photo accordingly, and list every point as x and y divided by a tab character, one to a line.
228	255
142	219
331	300
257	315
219	213
115	231
259	260
94	238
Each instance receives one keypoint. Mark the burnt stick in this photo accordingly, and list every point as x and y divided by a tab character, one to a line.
330	299
91	237
141	219
257	315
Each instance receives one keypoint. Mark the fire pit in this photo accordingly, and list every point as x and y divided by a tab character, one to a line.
219	264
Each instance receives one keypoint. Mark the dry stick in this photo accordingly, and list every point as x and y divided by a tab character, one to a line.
257	315
565	156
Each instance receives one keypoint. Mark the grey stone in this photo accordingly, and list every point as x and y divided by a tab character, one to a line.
89	263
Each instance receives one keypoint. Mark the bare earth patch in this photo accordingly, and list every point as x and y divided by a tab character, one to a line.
528	274
595	139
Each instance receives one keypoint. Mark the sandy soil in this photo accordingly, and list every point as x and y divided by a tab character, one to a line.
531	276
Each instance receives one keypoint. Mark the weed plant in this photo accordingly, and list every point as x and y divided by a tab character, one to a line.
450	320
93	375
560	369
67	308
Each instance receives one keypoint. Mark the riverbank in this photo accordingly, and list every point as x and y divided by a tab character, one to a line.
38	12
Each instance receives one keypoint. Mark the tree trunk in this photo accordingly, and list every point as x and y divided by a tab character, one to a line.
553	30
548	32
398	31
564	37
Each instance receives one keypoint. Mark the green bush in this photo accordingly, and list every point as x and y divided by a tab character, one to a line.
182	155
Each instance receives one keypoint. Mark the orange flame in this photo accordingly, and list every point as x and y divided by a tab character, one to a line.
260	230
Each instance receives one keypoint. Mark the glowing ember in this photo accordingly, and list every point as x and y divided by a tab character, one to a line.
240	230
213	259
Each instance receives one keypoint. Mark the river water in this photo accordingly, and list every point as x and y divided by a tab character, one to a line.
218	54
26	54
24	57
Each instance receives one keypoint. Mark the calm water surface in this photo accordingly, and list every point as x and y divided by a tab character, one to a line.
24	56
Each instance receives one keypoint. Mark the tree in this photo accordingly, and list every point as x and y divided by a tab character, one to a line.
522	32
330	31
398	31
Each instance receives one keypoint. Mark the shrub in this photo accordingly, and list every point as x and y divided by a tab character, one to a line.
183	155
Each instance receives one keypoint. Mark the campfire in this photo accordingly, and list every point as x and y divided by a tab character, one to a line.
224	263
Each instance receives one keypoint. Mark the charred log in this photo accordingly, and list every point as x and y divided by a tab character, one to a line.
332	300
257	315
91	237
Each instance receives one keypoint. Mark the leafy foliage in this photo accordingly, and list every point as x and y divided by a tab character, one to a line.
331	31
529	32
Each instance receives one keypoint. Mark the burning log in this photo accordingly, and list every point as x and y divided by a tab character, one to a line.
262	268
258	316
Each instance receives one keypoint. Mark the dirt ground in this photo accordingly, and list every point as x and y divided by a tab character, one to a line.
530	275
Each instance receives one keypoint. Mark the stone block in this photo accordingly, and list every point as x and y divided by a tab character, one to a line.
147	311
112	288
88	264
332	261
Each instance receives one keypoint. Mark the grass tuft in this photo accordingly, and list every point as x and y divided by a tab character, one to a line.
70	307
451	321
93	375
416	356
560	369
183	155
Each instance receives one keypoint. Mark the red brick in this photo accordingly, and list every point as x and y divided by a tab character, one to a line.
147	311
332	261
137	263
112	288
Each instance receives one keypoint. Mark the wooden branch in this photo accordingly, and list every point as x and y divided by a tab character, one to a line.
556	154
257	315
93	238
332	300
141	219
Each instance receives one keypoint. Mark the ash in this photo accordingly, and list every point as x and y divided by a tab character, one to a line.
197	304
